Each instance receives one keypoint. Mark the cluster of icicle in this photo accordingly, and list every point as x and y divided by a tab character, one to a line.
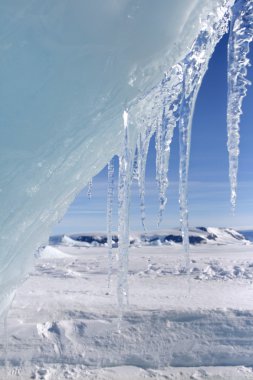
170	105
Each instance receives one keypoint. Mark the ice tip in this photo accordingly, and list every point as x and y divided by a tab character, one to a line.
233	202
144	225
125	118
233	206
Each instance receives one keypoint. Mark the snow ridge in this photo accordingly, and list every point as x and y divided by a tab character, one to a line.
199	235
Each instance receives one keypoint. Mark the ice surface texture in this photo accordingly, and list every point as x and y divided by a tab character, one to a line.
110	193
67	72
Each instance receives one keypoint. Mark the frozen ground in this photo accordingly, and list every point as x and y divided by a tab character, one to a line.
63	323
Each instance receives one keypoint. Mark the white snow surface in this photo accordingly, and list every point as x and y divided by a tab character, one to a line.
63	323
67	72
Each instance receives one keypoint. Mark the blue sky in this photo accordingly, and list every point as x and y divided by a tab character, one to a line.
208	183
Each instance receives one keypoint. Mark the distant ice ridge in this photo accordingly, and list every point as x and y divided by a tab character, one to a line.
199	235
63	92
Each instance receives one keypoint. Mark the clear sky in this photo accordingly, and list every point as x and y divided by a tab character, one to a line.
208	183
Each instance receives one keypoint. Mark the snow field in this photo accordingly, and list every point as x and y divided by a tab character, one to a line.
64	320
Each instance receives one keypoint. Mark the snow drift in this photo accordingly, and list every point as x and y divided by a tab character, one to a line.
63	322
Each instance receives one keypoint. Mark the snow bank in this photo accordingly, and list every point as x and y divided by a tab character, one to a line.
52	252
65	314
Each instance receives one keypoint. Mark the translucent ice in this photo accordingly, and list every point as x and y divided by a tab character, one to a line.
68	70
194	66
89	191
110	193
240	36
125	174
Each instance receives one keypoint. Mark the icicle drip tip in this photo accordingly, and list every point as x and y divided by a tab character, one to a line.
90	186
240	36
110	193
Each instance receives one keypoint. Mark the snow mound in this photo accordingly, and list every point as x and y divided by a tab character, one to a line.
53	253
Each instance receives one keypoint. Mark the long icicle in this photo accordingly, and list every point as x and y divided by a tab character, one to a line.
139	168
110	193
125	169
143	152
157	113
195	65
240	36
146	112
171	93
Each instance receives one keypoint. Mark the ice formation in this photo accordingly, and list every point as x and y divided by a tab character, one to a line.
170	103
68	72
110	193
241	34
90	185
194	67
125	174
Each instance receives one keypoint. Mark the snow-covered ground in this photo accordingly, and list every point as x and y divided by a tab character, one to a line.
64	324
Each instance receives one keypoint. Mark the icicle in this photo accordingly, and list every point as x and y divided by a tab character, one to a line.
171	90
143	152
139	166
146	113
195	65
184	141
110	192
125	168
160	109
135	176
158	146
241	34
142	193
89	192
